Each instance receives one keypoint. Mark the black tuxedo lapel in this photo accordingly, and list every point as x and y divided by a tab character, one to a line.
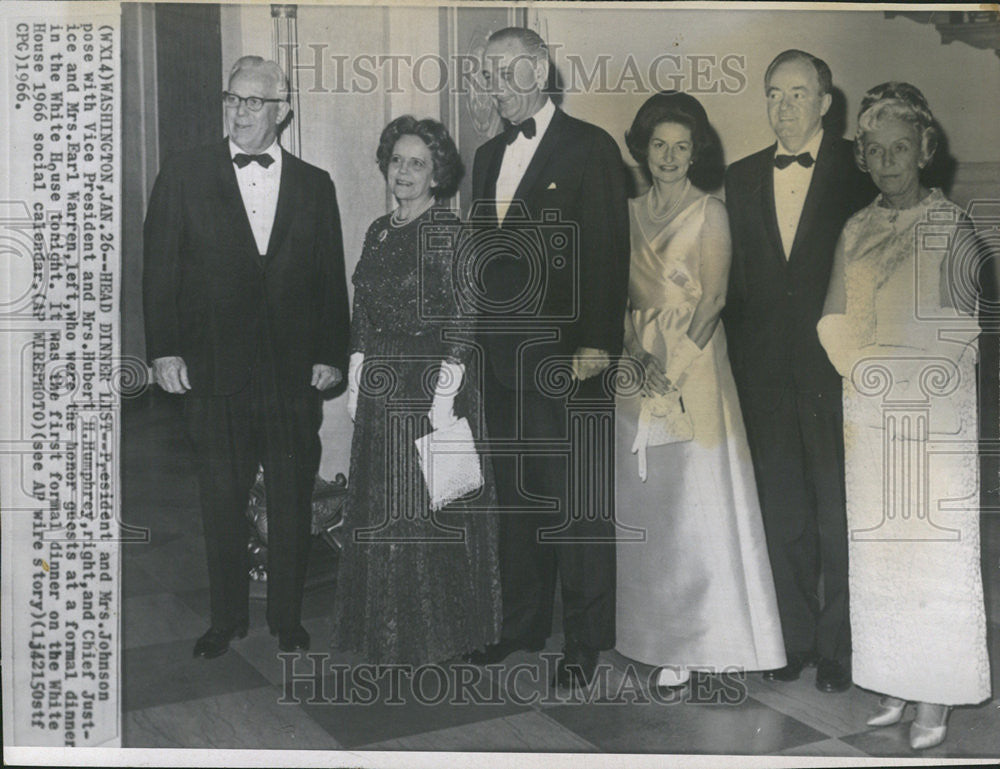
287	188
495	152
232	210
545	148
769	211
813	204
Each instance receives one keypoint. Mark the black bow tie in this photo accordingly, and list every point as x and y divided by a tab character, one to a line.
242	160
526	127
783	161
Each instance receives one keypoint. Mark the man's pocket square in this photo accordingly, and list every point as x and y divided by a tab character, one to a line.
552	186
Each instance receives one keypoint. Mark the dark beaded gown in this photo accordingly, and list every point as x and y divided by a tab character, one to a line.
413	586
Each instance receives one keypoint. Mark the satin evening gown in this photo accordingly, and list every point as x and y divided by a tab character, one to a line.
698	592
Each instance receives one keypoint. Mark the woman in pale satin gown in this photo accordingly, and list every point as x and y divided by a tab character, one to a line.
899	325
697	593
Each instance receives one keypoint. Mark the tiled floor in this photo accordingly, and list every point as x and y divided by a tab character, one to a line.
239	700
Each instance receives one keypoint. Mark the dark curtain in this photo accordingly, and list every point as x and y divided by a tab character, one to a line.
189	75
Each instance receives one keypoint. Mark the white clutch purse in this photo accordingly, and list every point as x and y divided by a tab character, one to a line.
450	463
662	420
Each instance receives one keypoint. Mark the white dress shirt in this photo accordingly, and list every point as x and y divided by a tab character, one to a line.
517	156
259	189
790	187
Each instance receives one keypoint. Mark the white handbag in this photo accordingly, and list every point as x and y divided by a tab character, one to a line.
662	420
450	463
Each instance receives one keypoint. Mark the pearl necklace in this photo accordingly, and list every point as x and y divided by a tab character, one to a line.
673	207
399	221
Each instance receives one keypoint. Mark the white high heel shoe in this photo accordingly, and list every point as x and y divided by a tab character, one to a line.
890	711
930	727
672	677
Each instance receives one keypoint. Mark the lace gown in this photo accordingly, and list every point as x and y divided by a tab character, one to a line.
698	591
413	586
910	433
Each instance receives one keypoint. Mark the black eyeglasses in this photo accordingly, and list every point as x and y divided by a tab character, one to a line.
254	103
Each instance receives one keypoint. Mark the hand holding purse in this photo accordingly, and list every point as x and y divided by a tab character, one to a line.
449	462
662	420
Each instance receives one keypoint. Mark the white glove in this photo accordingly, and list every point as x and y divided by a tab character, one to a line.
449	382
838	339
679	358
353	382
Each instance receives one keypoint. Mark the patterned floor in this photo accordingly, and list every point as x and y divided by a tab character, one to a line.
239	700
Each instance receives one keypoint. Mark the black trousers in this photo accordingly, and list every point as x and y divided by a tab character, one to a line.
798	458
267	425
563	460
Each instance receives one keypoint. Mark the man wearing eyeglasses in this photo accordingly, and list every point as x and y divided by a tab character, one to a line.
247	317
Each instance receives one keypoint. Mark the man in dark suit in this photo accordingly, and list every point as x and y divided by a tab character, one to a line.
787	205
551	322
246	312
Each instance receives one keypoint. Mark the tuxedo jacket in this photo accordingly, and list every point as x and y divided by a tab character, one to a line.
774	303
556	270
213	299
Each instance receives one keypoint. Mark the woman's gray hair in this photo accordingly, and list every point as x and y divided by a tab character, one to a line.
266	66
899	101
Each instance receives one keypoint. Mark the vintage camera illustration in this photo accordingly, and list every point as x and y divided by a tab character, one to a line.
967	244
523	273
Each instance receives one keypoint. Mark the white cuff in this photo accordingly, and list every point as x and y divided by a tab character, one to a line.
354	370
450	379
680	357
838	341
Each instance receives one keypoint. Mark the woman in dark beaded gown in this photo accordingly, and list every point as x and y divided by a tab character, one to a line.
414	586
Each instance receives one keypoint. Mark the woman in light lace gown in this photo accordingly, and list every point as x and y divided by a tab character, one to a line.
899	325
697	593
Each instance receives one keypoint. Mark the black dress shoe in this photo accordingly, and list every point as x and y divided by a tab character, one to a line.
576	667
293	640
792	670
831	676
499	651
215	642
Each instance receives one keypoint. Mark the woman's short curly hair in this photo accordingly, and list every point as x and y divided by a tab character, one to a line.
900	101
448	168
681	108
